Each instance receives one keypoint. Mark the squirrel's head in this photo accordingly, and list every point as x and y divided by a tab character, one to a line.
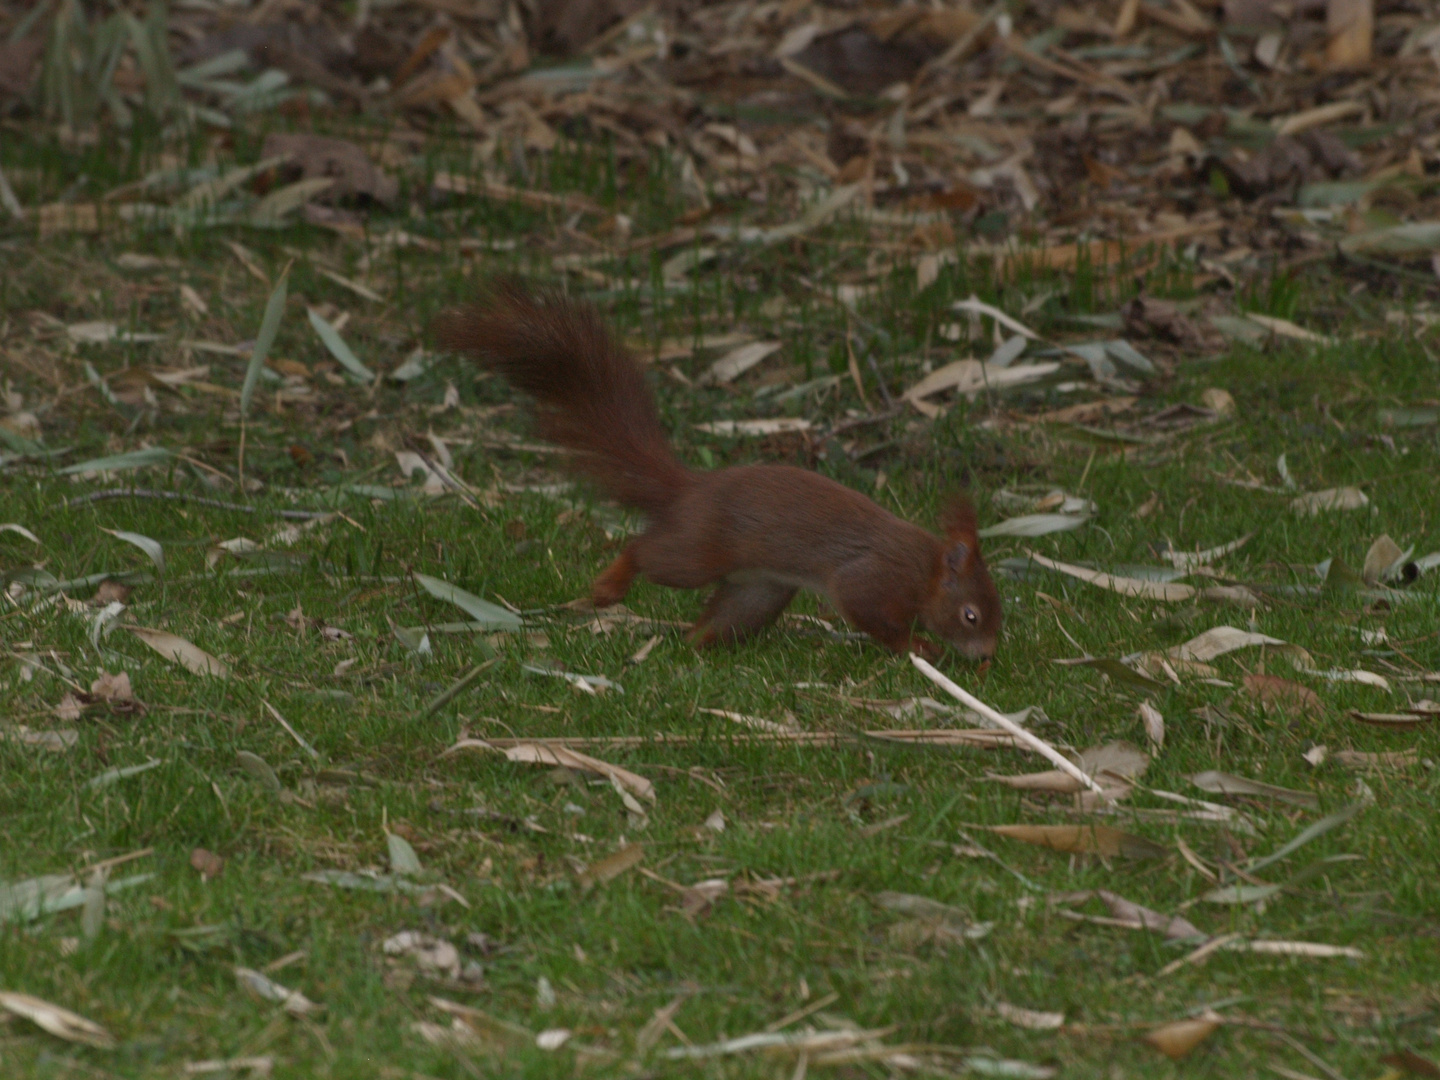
964	606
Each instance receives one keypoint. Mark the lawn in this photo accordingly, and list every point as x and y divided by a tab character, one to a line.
296	849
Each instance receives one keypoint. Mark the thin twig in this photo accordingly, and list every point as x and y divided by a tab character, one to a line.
1309	1055
181	496
1040	746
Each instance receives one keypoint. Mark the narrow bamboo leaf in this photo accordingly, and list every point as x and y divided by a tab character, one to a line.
481	611
338	347
135	459
269	327
1319	828
11	526
110	776
150	547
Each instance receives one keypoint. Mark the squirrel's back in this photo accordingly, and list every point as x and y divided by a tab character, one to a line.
591	395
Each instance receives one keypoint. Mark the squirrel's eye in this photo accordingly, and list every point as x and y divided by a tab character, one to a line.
970	615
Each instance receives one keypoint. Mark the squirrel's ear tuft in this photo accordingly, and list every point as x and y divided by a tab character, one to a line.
957	556
959	521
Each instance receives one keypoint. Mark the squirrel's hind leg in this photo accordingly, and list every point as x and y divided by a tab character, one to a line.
737	609
612	585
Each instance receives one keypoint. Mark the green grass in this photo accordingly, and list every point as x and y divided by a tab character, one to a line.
158	969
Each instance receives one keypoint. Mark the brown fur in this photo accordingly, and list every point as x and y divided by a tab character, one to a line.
757	532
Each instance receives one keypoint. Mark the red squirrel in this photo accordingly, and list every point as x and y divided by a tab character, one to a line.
758	533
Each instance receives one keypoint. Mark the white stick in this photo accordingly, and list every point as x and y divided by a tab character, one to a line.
1040	746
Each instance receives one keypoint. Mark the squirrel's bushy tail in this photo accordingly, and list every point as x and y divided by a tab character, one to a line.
590	394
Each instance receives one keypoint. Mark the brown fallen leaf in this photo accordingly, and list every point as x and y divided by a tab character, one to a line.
1384	553
1283	695
182	652
207	863
1176	1040
1113	766
1289	161
1147	317
1084	840
1412	1063
112	688
1218	401
612	866
310	157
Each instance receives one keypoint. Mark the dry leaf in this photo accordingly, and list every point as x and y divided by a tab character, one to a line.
53	739
612	866
1316	502
1188	560
1113	766
1218	401
1174	927
1125	586
207	863
779	425
307	157
182	652
430	954
1284	695
1176	1040
1223	639
57	1021
1383	558
734	364
1220	783
1029	1018
264	988
1364	678
1393	720
1084	840
541	754
1384	761
113	688
1154	723
974	376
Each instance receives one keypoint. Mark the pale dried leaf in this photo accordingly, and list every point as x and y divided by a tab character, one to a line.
1125	586
59	1022
182	652
1316	502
